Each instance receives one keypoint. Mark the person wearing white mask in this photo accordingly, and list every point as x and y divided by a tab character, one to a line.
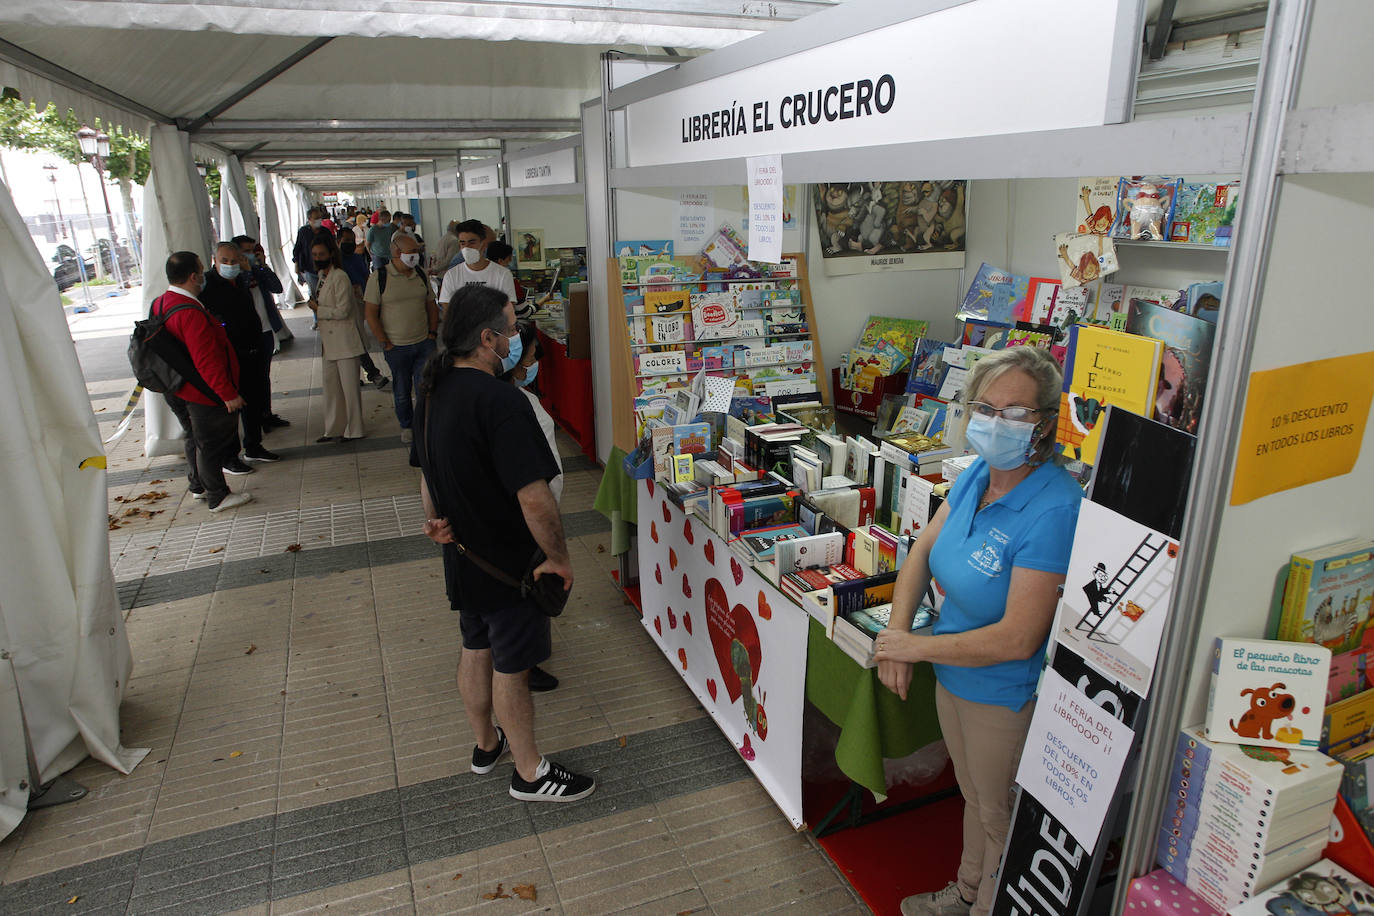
475	270
401	312
998	548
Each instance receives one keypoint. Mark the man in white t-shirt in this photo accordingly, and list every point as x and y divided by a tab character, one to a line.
475	270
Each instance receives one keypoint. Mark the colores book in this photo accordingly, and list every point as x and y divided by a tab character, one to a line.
1184	364
1103	367
1267	693
1327	599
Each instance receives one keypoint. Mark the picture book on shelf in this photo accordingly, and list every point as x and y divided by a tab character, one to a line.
1084	257
984	334
1267	693
638	248
662	301
1327	599
714	316
1323	889
1204	212
1103	367
1144	207
1204	300
901	333
927	367
1184	363
1097	204
980	291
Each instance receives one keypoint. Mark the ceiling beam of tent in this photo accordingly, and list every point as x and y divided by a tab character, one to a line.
255	84
63	77
438	127
1164	25
1200	27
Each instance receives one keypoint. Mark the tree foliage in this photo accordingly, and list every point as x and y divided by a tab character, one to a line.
23	126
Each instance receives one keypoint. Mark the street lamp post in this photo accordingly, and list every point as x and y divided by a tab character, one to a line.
95	146
56	198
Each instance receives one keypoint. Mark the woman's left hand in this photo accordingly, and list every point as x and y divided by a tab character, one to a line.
895	646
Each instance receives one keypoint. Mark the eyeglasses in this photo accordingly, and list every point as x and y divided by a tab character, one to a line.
1014	412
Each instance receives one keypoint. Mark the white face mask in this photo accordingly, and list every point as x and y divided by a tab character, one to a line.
472	256
314	224
410	258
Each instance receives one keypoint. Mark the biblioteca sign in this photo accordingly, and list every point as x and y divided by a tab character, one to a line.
837	96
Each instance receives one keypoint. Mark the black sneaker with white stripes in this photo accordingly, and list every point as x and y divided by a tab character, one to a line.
552	783
484	762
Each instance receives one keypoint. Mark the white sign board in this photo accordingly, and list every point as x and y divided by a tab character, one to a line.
765	209
734	638
412	187
1073	757
557	167
695	220
482	178
448	184
934	77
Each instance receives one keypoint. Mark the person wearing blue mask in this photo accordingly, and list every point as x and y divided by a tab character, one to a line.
227	296
484	484
998	548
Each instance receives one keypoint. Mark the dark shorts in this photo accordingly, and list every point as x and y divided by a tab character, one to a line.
519	637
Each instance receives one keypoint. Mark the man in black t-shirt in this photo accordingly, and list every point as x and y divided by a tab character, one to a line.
485	485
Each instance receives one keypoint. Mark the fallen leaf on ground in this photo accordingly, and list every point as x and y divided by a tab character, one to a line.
526	892
498	894
114	525
236	753
292	548
622	740
154	547
457	876
600	548
250	650
74	899
214	550
145	497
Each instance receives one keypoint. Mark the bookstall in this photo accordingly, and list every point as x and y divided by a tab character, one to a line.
1196	556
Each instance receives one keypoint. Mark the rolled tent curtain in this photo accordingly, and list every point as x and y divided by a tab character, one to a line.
176	217
64	655
278	203
239	217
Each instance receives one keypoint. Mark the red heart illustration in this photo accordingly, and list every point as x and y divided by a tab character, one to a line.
653	532
727	628
686	587
687	622
658	574
672	619
711	687
710	551
672	559
658	625
667	516
737	571
765	612
687	532
682	657
650	484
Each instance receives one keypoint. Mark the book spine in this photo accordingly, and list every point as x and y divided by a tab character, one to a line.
1295	599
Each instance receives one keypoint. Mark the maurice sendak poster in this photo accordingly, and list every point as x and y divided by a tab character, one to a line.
1116	595
737	642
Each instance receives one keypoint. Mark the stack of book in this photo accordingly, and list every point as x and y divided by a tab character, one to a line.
1241	817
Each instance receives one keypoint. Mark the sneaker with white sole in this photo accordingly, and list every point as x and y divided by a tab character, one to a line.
483	762
552	783
197	494
407	437
944	902
232	501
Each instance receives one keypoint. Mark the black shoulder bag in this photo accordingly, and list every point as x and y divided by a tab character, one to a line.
546	592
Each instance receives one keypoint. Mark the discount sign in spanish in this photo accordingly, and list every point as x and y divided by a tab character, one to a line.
1302	424
1073	757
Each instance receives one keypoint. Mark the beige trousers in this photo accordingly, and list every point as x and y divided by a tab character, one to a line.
343	397
985	744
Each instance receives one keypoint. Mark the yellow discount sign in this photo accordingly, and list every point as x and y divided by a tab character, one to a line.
1303	423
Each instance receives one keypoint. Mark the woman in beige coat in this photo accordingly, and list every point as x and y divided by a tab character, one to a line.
340	345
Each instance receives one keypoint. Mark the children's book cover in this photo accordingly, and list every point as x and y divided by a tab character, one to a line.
1084	257
1204	300
1111	306
979	296
1327	600
927	367
641	248
1267	693
1103	367
1029	337
902	333
1204	212
984	334
1097	204
665	329
1184	363
665	301
714	316
1008	299
1116	595
1323	889
1176	299
1144	207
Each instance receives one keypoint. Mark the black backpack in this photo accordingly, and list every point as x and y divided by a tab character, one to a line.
160	360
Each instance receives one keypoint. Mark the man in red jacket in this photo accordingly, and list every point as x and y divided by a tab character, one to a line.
206	406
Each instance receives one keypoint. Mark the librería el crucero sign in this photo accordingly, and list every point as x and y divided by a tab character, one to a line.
974	69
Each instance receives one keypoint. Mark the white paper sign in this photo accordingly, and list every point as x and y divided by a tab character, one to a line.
765	209
1073	757
448	184
481	178
557	167
674	361
695	220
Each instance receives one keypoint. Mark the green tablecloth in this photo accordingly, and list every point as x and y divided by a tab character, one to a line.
873	722
617	498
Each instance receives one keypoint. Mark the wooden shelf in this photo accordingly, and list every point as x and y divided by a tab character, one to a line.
1178	246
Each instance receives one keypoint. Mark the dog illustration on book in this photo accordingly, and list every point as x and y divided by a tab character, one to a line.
1267	706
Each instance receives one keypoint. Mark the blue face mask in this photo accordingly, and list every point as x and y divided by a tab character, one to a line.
512	358
1004	444
228	271
530	372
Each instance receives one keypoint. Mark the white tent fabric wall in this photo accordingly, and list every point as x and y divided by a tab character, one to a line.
60	623
239	217
176	217
271	239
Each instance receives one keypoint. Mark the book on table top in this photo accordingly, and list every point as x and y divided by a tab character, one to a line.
1184	364
1292	895
1327	599
809	552
692	439
1103	368
1348	723
848	506
1256	778
875	619
798	584
1268	693
863	593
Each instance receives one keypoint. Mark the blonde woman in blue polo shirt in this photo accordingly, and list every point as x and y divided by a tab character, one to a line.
999	548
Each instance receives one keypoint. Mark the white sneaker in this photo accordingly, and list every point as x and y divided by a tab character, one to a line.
946	902
407	437
232	501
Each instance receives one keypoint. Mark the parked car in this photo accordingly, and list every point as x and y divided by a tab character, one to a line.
66	270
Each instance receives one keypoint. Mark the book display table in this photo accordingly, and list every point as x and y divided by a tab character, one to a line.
565	386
